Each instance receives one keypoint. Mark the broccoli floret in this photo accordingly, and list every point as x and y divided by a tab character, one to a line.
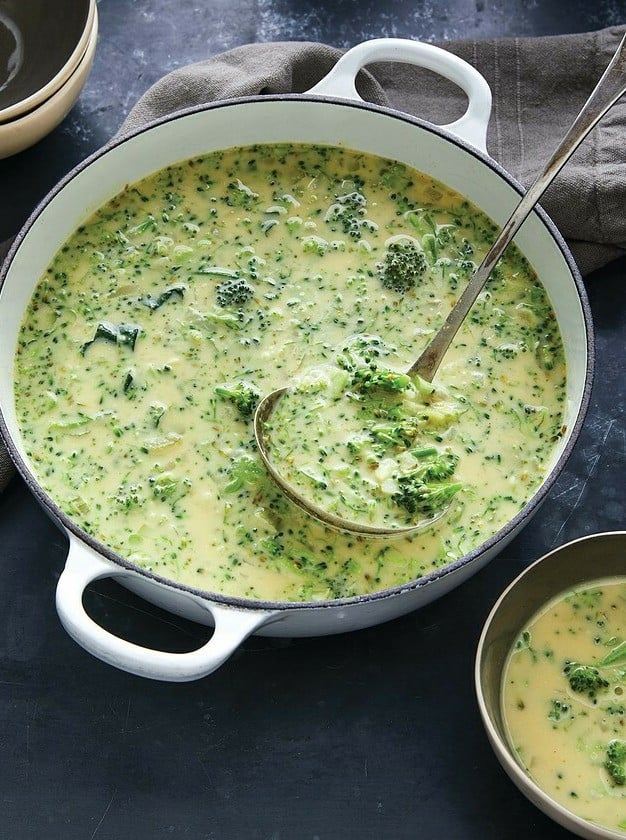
349	212
233	292
369	378
615	761
243	471
403	266
423	490
418	497
584	679
441	468
361	351
244	396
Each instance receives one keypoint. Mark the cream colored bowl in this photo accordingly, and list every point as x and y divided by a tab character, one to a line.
24	131
41	44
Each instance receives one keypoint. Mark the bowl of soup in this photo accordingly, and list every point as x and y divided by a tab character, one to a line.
203	260
551	684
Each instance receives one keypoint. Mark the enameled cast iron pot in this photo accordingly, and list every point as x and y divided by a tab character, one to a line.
332	112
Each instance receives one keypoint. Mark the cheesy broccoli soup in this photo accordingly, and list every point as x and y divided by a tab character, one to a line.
564	701
163	319
355	439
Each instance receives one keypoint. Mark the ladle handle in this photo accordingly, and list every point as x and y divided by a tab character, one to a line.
605	94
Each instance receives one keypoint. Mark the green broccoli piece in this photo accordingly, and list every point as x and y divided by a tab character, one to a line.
233	292
558	711
396	433
372	377
239	195
272	546
403	266
243	471
418	497
615	761
361	351
227	319
349	212
423	490
441	468
244	396
167	488
584	679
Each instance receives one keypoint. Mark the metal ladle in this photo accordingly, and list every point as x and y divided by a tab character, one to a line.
609	89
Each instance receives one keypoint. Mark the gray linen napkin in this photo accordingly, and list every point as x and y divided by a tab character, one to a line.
538	85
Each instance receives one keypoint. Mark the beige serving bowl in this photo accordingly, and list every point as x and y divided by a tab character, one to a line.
571	565
41	45
29	127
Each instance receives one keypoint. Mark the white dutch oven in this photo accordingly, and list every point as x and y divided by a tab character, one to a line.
332	112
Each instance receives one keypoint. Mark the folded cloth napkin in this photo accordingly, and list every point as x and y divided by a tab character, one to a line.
538	85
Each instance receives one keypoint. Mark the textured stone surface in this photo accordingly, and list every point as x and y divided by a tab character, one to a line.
363	736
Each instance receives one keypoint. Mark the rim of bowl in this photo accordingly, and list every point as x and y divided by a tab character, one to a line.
24	106
416	583
499	744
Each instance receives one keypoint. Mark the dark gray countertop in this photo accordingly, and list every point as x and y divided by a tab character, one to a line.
373	734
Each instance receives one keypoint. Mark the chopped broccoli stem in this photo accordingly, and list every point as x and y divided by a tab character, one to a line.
244	396
403	266
615	762
615	656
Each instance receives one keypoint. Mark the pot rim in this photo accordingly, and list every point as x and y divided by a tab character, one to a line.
74	531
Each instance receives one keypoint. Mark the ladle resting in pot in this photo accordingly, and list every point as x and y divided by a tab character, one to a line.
608	90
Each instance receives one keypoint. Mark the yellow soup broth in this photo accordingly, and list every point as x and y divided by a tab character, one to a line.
190	294
564	701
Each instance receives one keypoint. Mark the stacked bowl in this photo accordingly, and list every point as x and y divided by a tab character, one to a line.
46	53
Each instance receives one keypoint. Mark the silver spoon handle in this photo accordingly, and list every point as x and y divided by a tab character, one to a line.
605	94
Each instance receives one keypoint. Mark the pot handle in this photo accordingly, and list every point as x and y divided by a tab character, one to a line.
83	566
472	126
